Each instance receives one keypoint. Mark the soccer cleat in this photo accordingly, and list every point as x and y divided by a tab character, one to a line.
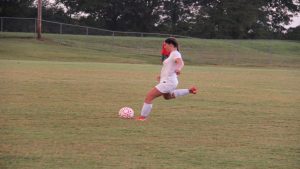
193	90
141	118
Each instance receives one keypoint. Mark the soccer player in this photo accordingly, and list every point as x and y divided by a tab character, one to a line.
168	81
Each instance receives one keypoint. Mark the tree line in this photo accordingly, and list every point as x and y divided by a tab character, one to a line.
220	19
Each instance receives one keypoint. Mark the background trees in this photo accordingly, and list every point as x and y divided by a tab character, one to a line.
234	19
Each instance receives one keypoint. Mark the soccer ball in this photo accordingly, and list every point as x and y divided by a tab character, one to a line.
126	113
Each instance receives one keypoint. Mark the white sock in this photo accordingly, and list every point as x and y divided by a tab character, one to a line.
181	92
146	110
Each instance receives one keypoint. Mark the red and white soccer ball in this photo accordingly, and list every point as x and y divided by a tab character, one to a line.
126	113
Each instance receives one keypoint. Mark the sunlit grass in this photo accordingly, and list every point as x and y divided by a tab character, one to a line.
64	115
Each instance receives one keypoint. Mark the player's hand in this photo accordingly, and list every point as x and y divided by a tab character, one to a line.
178	71
158	78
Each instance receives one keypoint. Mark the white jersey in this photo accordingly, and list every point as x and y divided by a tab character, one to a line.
169	66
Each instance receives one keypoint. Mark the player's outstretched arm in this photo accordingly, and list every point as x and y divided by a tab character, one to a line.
179	65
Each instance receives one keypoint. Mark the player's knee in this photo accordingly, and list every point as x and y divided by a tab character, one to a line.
149	98
167	96
170	96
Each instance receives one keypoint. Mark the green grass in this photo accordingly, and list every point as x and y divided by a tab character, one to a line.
258	53
60	97
64	115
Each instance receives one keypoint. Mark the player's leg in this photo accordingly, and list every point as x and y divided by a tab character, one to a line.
147	107
180	92
152	94
169	96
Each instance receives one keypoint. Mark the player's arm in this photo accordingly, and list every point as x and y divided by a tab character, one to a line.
179	65
158	78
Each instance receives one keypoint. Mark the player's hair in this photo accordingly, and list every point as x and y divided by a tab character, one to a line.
172	41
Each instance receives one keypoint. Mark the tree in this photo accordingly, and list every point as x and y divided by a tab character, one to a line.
20	8
176	15
293	33
243	19
202	18
276	13
129	15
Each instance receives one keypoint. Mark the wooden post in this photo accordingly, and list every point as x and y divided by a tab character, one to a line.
39	20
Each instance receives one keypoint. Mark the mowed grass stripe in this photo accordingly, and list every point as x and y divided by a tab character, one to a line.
249	53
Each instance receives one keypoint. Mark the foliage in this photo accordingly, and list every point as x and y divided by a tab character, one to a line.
233	19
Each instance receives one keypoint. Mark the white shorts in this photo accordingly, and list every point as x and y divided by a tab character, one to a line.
166	86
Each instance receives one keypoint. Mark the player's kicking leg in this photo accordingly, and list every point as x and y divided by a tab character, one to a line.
180	92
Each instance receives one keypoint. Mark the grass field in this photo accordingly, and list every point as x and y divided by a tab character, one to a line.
254	53
60	114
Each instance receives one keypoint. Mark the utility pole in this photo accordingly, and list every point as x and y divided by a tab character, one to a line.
39	19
